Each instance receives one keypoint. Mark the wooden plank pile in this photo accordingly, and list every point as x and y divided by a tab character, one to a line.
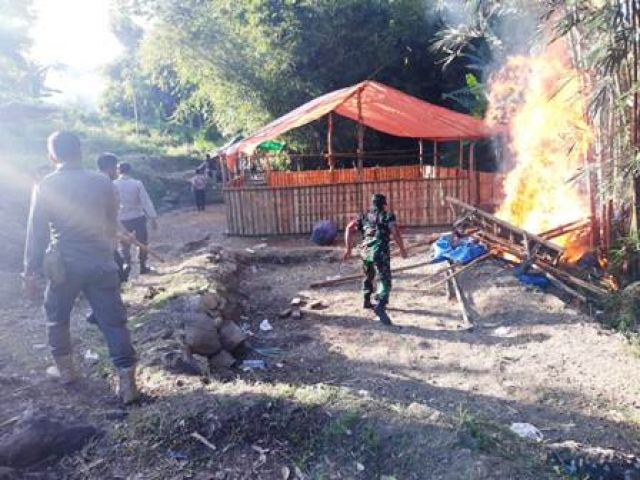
532	251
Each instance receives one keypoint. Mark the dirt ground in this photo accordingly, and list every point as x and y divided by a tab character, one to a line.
343	396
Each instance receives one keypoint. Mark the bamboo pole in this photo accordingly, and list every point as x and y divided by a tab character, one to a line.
433	275
337	281
130	238
436	173
471	175
360	134
421	154
330	158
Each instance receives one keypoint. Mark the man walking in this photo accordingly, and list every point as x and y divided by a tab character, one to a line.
71	234
108	165
135	208
377	226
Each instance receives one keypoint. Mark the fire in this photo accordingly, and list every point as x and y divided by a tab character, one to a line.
543	101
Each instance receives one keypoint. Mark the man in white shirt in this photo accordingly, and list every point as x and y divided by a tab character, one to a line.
135	208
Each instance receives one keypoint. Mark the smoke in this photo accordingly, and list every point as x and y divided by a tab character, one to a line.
508	28
455	13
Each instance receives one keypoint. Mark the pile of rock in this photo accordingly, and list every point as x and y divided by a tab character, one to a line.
194	311
211	331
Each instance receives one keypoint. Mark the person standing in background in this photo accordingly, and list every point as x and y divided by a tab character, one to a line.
136	208
199	187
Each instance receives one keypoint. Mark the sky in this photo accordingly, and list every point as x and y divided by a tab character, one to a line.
76	34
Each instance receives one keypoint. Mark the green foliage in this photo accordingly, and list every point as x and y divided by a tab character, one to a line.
20	78
233	66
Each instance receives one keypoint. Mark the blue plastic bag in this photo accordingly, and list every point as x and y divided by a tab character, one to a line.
324	233
465	251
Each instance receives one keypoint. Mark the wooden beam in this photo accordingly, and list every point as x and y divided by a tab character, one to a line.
461	301
471	175
561	274
337	281
360	134
463	269
560	285
433	275
470	209
564	229
436	173
330	159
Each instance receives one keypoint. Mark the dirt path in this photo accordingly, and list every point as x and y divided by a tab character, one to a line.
348	397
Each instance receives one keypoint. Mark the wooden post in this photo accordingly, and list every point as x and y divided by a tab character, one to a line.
472	174
223	169
360	153
436	174
591	191
460	158
360	132
330	159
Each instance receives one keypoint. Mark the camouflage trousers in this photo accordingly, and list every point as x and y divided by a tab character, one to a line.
382	268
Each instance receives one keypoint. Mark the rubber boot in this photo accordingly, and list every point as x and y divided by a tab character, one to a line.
381	313
64	369
144	269
127	389
367	302
126	271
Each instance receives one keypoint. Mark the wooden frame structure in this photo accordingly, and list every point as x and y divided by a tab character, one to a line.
292	202
259	211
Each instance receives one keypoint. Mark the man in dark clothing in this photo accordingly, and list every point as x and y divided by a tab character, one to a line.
108	164
377	226
72	233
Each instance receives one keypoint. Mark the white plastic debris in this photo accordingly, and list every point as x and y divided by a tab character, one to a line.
528	431
249	365
265	326
502	332
260	246
91	357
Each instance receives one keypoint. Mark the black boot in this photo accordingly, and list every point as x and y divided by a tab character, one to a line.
367	302
381	313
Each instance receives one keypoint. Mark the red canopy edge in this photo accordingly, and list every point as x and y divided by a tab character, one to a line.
383	108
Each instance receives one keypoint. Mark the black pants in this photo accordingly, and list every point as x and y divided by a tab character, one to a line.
120	263
201	199
137	226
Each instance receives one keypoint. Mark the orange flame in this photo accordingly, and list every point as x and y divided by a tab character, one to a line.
543	101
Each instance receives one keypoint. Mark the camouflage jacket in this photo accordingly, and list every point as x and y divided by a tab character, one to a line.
376	228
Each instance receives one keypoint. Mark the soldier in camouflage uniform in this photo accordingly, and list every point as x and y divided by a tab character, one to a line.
377	226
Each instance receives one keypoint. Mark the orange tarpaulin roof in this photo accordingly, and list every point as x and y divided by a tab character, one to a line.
382	108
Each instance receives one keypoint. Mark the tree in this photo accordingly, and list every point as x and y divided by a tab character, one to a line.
249	62
149	97
20	78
